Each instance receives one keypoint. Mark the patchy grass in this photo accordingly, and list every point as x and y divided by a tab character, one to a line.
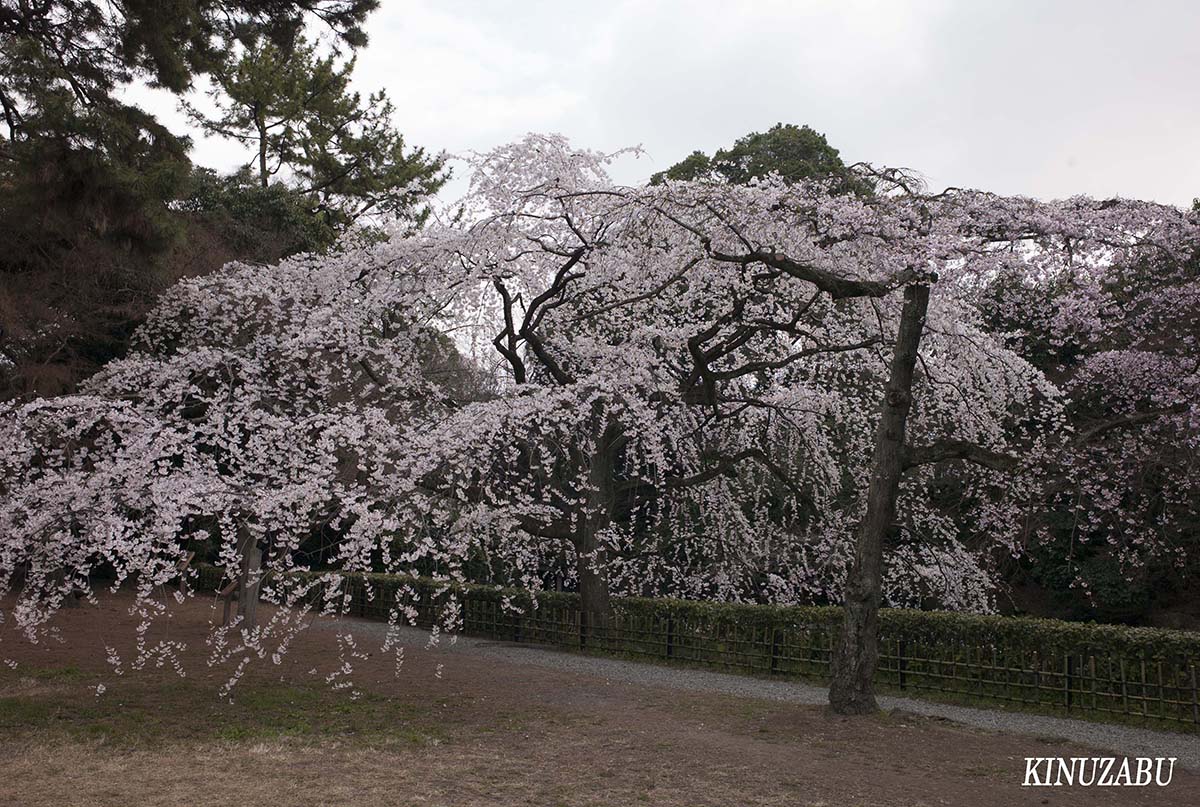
471	732
69	673
135	712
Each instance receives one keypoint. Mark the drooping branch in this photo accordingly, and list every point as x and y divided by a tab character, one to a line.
958	450
759	366
1125	421
836	286
626	302
556	529
727	464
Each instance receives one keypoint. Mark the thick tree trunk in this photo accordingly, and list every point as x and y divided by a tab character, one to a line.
857	651
250	579
594	603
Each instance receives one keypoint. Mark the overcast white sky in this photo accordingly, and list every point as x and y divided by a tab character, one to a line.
1041	98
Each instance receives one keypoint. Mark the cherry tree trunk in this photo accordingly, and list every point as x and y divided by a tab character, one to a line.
857	650
251	577
594	603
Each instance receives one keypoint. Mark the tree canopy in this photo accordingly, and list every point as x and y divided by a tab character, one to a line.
296	110
795	153
696	360
101	206
65	63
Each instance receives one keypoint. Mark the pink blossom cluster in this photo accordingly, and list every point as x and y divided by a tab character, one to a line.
684	387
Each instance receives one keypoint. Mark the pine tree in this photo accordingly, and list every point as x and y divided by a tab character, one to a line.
796	153
296	108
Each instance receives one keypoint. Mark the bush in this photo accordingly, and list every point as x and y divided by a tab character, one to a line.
1035	663
275	220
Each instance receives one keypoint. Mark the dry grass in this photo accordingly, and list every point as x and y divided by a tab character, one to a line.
485	732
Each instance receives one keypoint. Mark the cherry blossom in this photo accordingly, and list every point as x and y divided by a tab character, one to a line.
684	392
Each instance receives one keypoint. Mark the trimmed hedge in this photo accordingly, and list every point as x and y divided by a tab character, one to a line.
1041	664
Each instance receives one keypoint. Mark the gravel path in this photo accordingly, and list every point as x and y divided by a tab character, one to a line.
1123	740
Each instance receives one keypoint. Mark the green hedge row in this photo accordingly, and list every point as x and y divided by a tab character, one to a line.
1047	636
1033	663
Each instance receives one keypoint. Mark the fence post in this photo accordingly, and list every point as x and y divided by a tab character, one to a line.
670	635
901	662
1124	688
1195	701
1145	695
1069	664
1092	668
1162	697
775	647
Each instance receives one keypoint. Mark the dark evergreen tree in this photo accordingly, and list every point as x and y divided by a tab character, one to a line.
796	153
296	109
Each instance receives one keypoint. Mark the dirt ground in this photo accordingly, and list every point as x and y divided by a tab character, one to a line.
484	732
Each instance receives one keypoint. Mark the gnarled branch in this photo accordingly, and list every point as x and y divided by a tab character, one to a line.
958	450
834	285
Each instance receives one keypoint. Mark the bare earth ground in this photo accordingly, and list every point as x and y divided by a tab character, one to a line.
488	731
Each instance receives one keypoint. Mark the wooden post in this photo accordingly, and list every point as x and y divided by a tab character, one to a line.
994	678
1124	688
1145	695
1068	663
1162	702
1195	699
1092	667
